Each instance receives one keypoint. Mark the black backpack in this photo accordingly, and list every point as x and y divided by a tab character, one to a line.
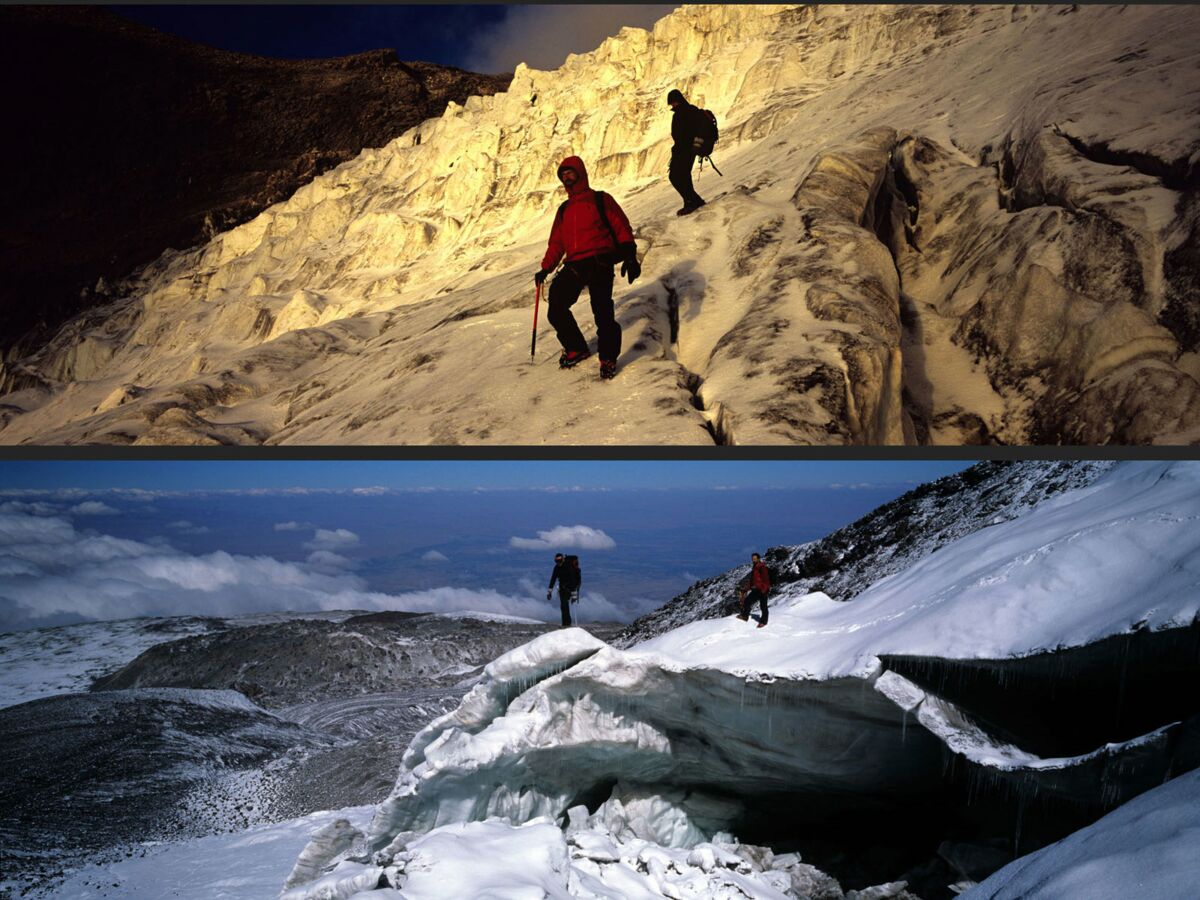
574	572
706	137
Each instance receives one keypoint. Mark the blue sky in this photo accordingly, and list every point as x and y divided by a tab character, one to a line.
463	475
109	540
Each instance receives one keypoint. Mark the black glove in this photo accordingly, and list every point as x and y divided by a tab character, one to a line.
631	267
548	595
541	275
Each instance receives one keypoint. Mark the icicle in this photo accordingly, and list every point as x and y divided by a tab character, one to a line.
1017	835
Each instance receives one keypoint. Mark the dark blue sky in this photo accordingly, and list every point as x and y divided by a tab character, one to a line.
419	32
479	37
450	475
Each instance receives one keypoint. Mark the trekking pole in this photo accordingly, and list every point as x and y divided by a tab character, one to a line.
537	299
714	165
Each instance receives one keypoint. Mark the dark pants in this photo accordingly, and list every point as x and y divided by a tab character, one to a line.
681	176
564	601
595	274
748	601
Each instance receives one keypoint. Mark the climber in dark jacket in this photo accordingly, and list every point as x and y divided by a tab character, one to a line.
569	580
760	586
593	236
686	123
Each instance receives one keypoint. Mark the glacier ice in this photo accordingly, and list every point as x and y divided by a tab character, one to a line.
717	728
1000	258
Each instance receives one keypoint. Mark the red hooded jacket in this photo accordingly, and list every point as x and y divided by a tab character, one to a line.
762	577
579	232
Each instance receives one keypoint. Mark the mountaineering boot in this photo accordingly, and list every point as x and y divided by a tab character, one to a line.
608	369
570	359
743	618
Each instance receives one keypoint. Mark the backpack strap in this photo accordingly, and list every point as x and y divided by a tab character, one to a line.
604	218
600	211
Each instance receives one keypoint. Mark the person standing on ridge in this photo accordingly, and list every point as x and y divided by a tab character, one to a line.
569	577
686	124
760	581
594	234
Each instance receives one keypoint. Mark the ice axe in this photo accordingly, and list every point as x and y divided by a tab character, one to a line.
537	299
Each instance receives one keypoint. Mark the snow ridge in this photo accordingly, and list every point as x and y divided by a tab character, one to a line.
885	541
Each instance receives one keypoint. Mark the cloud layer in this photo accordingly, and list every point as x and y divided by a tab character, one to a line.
93	508
566	537
52	573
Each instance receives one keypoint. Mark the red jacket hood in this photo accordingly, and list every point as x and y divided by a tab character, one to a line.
574	162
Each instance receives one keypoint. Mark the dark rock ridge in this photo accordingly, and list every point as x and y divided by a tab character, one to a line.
301	661
885	541
124	142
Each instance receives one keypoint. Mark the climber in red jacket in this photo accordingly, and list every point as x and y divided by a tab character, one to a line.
760	580
594	234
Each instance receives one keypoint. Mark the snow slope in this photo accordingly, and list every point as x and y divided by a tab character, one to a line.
937	224
885	541
717	725
66	659
249	865
1120	554
1147	848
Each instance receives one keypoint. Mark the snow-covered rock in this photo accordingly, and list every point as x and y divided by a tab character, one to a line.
937	224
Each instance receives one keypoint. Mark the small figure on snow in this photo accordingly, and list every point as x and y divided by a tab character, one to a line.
691	129
759	587
569	577
594	233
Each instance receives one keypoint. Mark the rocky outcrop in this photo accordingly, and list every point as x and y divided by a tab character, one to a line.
124	142
1004	257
